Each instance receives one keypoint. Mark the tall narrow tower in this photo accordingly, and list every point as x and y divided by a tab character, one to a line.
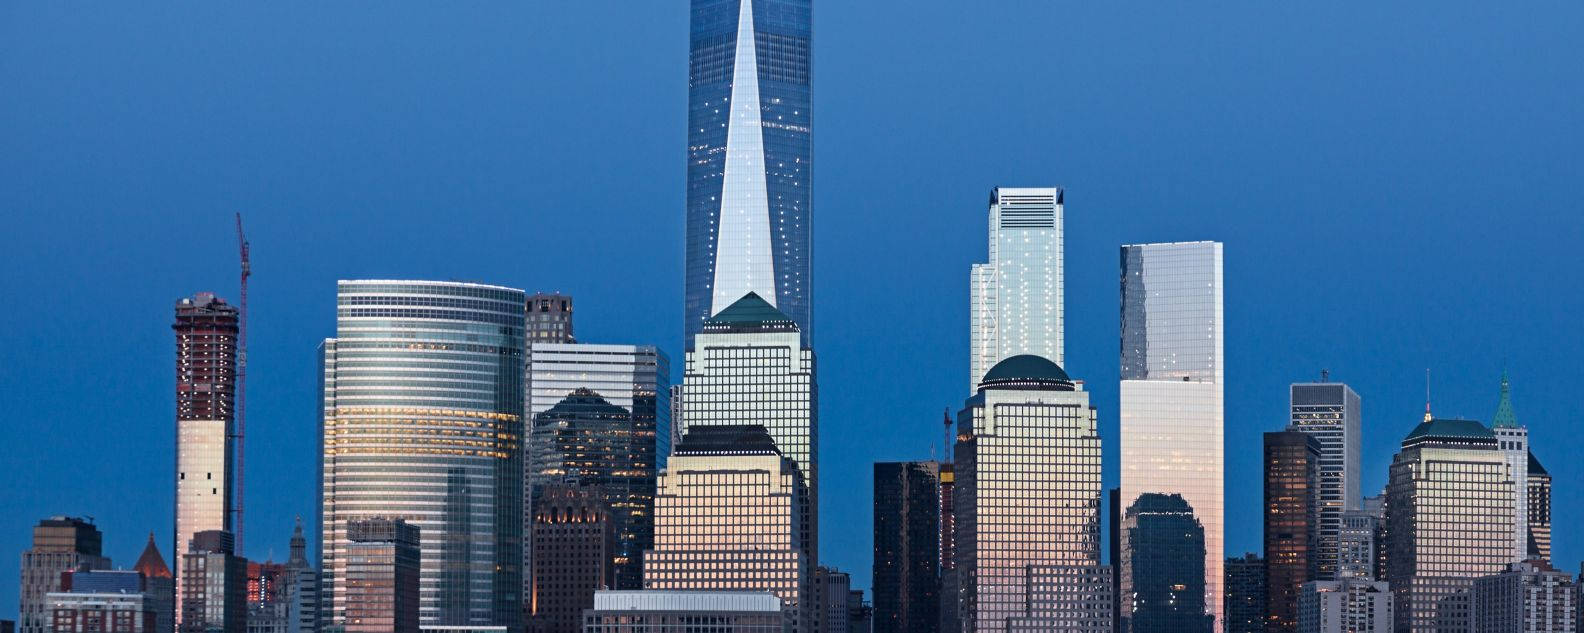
1017	293
206	370
1513	440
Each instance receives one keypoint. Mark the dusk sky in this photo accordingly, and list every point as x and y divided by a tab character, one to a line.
1400	186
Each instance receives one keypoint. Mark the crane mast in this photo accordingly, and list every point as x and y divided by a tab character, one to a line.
241	381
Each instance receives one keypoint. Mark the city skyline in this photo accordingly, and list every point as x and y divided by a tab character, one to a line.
293	306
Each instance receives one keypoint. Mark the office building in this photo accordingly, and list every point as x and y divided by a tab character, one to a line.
206	330
727	519
905	580
687	611
1345	606
549	318
750	169
422	417
834	589
572	538
1245	594
1513	440
1331	412
214	582
1539	515
1172	383
1163	567
101	612
60	544
860	615
1357	547
948	536
382	576
749	366
1067	598
1292	484
600	415
1016	295
1449	518
1028	486
1529	597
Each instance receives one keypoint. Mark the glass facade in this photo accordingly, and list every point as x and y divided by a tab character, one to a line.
422	418
1292	504
601	415
1028	488
1331	412
1245	594
206	330
906	580
572	540
1016	297
749	173
1163	580
1172	416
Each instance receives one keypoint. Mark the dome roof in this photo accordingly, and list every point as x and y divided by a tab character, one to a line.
1026	367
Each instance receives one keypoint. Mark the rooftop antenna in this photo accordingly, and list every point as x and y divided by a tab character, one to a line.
947	434
1427	394
1325	375
241	377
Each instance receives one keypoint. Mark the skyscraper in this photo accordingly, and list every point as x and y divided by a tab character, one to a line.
572	539
834	588
1017	294
1028	487
600	415
206	372
382	576
749	366
1292	476
1357	546
1529	597
549	318
1245	594
1331	412
1171	393
906	581
726	518
1163	569
215	585
1513	439
60	544
1539	516
422	417
750	170
1449	520
1351	605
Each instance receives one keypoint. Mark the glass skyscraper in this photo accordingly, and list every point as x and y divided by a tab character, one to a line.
422	418
906	581
1163	580
749	171
1292	475
1330	411
1017	294
206	369
1171	393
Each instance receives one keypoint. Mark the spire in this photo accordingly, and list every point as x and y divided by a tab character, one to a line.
151	563
1427	417
1505	419
299	546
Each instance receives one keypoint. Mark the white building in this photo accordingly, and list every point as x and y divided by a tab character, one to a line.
1017	294
1513	438
1345	606
682	611
1330	411
1530	597
1172	384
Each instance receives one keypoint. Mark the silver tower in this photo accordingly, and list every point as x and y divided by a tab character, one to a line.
1017	295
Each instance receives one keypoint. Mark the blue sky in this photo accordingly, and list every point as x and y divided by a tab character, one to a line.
1398	187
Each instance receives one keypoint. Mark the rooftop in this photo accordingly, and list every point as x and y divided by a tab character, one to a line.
1454	430
726	439
653	600
1025	371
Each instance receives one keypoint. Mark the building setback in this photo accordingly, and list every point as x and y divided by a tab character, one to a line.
60	544
1346	606
572	539
1292	477
906	547
206	330
1332	413
681	611
1529	597
1245	594
1017	294
1163	567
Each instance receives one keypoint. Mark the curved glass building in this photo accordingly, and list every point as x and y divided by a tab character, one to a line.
422	419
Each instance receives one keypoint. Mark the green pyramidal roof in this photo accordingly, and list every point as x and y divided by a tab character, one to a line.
1505	418
1450	430
751	309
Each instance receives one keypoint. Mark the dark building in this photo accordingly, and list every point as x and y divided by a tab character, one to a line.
1292	476
1163	567
1245	594
1539	515
1114	536
60	544
860	615
159	586
572	538
907	530
549	318
383	558
214	585
206	353
268	611
948	533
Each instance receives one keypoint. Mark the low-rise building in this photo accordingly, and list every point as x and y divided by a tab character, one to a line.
664	611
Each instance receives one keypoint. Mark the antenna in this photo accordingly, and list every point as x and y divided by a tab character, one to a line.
1427	394
1325	375
947	434
241	379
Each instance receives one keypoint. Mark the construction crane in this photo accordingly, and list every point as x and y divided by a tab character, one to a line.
241	380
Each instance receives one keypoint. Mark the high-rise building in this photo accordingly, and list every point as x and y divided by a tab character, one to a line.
948	536
1529	597
835	587
572	540
267	610
860	615
302	586
1449	518
668	611
1357	547
750	169
382	576
1163	567
206	373
1067	598
549	318
1028	486
1245	594
727	518
214	582
749	366
1351	605
600	415
159	586
422	417
1331	412
1375	507
60	544
1171	393
906	575
1539	516
1513	439
1292	482
1016	294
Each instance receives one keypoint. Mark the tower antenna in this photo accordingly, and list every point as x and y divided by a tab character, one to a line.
1427	394
241	379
